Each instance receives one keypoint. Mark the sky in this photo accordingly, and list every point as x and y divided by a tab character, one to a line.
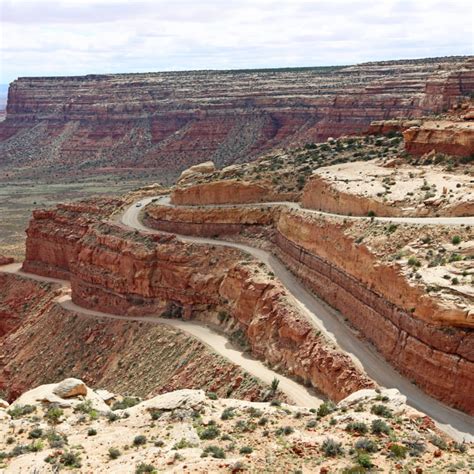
75	37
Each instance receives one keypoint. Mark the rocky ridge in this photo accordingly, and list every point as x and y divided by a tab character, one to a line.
186	431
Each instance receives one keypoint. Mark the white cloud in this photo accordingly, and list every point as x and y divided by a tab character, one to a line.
59	37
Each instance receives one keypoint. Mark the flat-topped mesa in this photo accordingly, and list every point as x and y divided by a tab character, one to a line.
173	120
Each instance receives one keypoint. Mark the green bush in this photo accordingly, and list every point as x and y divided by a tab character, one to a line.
367	445
380	427
357	427
228	413
438	442
21	410
246	450
331	447
111	416
70	459
210	432
213	451
139	440
54	414
326	408
114	453
212	395
126	402
456	240
381	410
143	468
284	430
35	433
91	432
397	451
363	459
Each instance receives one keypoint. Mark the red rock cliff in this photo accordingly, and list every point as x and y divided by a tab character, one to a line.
170	121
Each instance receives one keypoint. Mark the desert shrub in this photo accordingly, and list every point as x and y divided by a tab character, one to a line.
91	432
246	450
311	424
357	427
21	410
456	240
415	448
70	459
380	427
381	410
210	432
245	426
35	433
212	395
367	445
228	413
143	468
111	416
413	262
460	447
139	440
326	408
36	446
55	439
284	430
54	414
275	403
397	451
213	451
363	459
114	453
438	442
126	402
331	447
263	421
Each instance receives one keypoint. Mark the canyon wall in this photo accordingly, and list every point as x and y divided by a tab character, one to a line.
320	195
428	343
47	342
126	272
452	138
169	121
52	235
120	271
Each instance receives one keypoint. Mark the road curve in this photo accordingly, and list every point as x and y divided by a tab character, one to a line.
297	393
454	422
449	221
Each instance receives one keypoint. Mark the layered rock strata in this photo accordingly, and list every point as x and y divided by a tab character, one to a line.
41	341
134	273
169	121
452	138
52	235
424	340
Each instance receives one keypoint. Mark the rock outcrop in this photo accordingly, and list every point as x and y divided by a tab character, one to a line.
53	234
452	138
169	121
411	329
6	260
40	342
124	272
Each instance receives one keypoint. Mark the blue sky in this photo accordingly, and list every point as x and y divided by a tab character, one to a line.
65	37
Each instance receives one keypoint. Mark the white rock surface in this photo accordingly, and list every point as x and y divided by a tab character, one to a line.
70	388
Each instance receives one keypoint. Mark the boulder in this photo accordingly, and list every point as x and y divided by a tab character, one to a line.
4	403
202	168
70	388
173	400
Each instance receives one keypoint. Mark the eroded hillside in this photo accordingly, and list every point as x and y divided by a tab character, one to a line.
168	121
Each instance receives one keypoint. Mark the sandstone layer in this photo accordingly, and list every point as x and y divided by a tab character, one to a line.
169	121
452	138
414	331
40	341
389	189
127	272
53	234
